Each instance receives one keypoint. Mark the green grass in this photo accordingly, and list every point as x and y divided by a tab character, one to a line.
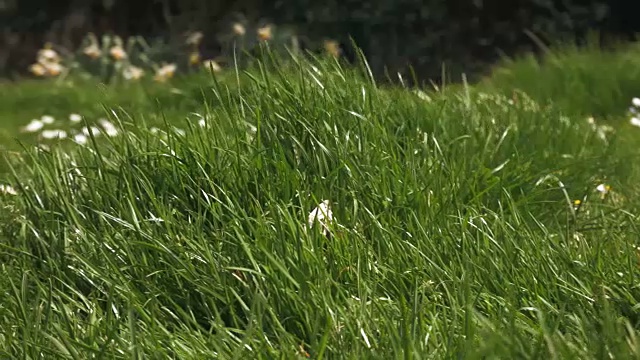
455	233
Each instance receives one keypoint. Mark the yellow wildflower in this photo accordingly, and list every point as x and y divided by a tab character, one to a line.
194	58
332	48
265	33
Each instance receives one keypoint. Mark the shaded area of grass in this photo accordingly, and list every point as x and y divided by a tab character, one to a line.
585	80
456	231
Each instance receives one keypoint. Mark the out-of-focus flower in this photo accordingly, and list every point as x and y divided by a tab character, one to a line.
132	73
239	29
47	54
75	118
323	215
636	102
54	69
53	134
92	51
265	33
95	131
165	72
195	38
118	53
108	127
38	69
47	119
211	65
33	126
7	190
332	48
194	58
635	121
80	139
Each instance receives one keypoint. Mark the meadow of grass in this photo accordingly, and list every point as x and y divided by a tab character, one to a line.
456	228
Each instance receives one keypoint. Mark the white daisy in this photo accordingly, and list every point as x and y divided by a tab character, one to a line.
108	127
95	131
47	119
75	118
80	139
53	134
33	126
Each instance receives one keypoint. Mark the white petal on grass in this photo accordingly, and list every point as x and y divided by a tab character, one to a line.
53	134
635	121
33	126
47	119
202	123
7	190
323	215
636	102
75	118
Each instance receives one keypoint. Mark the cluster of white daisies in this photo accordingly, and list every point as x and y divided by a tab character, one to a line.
80	136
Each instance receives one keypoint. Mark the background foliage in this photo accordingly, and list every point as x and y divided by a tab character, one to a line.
465	35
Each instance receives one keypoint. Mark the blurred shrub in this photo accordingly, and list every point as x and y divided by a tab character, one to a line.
466	35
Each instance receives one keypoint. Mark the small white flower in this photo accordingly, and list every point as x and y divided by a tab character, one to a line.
95	131
47	119
75	118
7	190
212	65
603	188
636	102
33	126
53	134
323	215
202	123
80	139
48	55
108	127
132	73
635	121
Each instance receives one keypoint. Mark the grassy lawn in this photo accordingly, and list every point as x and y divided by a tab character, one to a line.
490	221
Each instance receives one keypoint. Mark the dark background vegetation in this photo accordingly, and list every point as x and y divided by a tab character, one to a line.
466	35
